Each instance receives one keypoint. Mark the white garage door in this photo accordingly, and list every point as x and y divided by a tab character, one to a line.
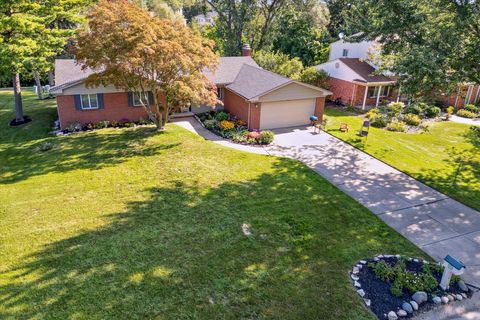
283	114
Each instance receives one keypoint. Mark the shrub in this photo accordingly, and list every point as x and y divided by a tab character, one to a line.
101	124
415	108
450	111
240	136
466	114
393	109
114	123
240	123
73	127
210	124
221	116
373	113
266	137
432	112
315	77
45	146
471	107
254	135
379	121
412	119
397	126
226	125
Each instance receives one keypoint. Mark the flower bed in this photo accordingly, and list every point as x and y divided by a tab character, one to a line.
395	116
229	127
469	111
77	127
394	287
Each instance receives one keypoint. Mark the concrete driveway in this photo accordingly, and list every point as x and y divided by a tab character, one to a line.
436	223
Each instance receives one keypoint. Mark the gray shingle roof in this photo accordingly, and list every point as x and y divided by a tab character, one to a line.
253	81
228	69
67	70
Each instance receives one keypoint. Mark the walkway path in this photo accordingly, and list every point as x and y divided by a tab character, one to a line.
473	122
434	222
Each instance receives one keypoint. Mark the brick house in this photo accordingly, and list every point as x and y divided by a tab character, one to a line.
353	80
263	99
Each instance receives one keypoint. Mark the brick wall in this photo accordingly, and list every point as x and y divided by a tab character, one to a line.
319	107
452	98
115	108
341	89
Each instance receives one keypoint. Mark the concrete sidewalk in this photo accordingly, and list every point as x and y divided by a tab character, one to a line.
434	222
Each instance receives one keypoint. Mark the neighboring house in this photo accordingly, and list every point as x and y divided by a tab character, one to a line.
265	100
206	19
353	81
352	78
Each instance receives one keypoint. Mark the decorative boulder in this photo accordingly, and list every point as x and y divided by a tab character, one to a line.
407	307
361	293
437	300
420	297
458	297
401	313
414	305
392	315
444	299
450	298
462	286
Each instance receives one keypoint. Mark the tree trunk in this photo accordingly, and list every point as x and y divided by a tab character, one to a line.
51	81
18	97
38	83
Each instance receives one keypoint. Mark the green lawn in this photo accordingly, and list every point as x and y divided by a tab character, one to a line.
130	223
444	157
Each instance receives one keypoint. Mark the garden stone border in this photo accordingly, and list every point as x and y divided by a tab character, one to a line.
419	302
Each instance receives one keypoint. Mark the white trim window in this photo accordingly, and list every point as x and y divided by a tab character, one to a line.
89	101
137	97
373	91
220	93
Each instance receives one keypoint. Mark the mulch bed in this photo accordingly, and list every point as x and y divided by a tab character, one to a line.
383	301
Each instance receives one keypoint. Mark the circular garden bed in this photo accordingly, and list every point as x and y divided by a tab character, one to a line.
396	287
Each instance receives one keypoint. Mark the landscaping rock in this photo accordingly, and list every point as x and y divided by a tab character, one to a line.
437	300
354	277
368	302
357	284
415	260
459	297
464	295
462	286
363	262
359	266
401	313
355	270
376	259
397	256
414	305
450	298
361	293
392	315
444	299
420	297
407	307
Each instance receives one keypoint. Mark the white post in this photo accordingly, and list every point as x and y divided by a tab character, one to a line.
365	98
398	94
447	275
378	95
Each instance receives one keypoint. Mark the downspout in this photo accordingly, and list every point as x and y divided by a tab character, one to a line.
248	116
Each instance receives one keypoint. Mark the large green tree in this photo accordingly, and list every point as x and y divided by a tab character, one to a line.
432	44
32	32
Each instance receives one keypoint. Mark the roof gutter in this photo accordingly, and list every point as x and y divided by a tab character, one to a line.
374	84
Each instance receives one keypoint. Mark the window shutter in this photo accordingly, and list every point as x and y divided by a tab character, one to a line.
100	101
78	103
150	97
130	99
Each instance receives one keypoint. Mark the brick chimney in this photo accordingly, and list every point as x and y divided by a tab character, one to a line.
246	50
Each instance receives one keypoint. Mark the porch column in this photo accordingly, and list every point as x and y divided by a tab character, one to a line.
398	93
365	98
378	95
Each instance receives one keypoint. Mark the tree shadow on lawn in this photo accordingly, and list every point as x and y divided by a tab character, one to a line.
462	180
88	150
182	254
